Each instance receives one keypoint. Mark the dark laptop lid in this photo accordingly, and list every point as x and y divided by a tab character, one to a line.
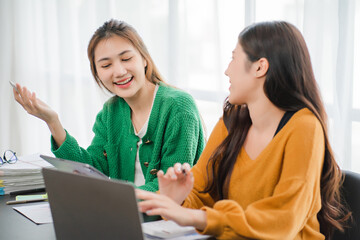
72	166
85	207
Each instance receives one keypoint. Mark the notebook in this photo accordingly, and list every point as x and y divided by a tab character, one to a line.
85	207
74	167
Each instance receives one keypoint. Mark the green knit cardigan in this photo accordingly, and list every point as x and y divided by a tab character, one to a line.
174	134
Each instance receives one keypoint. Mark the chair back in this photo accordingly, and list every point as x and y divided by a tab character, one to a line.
351	193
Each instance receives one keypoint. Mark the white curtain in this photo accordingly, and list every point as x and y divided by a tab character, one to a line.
43	46
329	27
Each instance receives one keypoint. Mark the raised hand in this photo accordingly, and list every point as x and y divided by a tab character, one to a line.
41	110
33	105
158	204
177	183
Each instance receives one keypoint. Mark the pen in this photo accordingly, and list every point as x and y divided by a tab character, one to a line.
35	190
26	201
183	171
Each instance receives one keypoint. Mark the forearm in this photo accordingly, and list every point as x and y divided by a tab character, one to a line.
57	131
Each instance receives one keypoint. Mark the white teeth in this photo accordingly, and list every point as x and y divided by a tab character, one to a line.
124	82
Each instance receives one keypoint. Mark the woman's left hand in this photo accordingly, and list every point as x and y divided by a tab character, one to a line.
157	204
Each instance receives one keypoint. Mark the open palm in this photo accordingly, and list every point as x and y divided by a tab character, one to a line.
33	105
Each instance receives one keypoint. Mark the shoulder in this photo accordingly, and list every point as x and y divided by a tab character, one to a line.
218	134
304	126
305	119
113	101
175	98
113	105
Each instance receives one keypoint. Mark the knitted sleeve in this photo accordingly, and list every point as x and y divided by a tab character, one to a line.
93	155
196	199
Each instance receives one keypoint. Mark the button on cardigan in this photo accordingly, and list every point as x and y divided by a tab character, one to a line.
174	134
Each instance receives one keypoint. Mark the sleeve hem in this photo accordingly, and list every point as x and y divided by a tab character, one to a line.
58	151
215	222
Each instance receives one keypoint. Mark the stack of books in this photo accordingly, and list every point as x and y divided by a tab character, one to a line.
25	174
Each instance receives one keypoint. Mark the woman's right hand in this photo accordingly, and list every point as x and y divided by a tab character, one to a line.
39	109
33	105
177	183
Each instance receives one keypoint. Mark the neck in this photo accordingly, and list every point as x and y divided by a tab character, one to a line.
141	103
264	115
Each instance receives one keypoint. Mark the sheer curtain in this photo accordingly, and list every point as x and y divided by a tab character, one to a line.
332	42
43	46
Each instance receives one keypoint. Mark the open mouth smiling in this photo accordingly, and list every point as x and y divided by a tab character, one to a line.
123	82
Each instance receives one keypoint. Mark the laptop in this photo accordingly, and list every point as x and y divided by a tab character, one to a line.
85	207
74	167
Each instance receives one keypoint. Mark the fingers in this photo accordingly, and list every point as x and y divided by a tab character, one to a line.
151	200
170	174
144	195
22	97
17	95
27	99
154	204
160	173
178	171
186	167
28	103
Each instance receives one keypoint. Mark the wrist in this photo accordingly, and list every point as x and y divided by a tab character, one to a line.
52	122
57	131
199	220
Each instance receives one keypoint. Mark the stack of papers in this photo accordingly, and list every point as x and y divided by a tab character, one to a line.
23	175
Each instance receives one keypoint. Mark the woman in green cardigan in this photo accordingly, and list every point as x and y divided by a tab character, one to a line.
145	127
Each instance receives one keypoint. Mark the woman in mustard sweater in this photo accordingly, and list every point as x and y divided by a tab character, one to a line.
145	127
267	171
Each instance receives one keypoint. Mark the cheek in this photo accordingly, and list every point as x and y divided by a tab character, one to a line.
103	75
233	70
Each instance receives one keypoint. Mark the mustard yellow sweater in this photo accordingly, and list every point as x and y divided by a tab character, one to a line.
276	195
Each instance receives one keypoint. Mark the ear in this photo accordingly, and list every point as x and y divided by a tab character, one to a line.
262	66
145	62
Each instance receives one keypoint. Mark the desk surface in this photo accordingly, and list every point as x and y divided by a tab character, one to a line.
16	226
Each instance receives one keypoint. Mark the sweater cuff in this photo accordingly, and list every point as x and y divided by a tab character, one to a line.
215	222
64	148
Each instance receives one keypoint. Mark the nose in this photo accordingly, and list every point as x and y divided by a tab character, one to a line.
226	72
119	69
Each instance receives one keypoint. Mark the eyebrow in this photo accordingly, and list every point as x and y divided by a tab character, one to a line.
120	54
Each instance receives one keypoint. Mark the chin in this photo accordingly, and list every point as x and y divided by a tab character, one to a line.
232	101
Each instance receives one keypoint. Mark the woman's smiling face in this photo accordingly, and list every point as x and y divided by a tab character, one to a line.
120	67
244	87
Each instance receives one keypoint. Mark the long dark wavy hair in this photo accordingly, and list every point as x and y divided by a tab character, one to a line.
119	28
290	85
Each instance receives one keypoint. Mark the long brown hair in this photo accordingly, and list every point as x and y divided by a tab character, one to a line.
290	85
122	29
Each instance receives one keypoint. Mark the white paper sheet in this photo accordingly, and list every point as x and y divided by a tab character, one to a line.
38	213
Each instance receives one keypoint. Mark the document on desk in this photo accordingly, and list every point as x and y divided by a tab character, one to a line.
25	174
38	213
170	230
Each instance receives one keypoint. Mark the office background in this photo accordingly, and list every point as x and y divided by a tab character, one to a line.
43	46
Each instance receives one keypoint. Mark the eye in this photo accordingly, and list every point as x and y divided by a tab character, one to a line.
106	66
126	59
